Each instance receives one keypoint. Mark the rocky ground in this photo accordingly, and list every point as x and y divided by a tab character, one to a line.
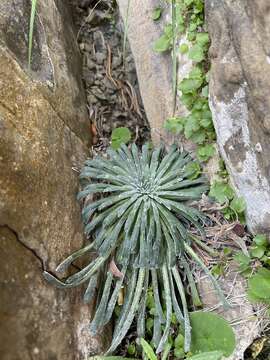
109	75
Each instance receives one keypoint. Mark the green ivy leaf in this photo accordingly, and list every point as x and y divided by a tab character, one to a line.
148	350
261	240
221	192
193	170
188	100
198	137
191	125
206	122
196	53
259	285
242	259
156	13
120	136
204	152
257	251
162	44
202	39
190	85
192	26
210	332
174	125
196	73
205	91
238	205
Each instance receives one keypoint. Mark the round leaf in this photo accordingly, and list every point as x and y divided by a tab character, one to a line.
211	332
260	240
120	136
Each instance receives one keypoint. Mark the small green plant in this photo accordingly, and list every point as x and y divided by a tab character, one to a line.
187	17
259	287
157	12
258	255
212	338
210	332
255	266
223	193
120	135
139	221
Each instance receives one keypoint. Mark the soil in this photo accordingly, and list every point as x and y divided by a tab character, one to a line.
109	76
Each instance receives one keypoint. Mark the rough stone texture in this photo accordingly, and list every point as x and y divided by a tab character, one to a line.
154	70
239	96
44	132
240	314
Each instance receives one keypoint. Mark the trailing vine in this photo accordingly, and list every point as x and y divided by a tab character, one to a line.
197	125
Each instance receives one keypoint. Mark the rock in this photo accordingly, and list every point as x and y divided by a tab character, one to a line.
44	132
154	70
116	62
239	97
100	58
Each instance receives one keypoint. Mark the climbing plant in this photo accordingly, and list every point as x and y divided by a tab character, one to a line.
197	126
140	224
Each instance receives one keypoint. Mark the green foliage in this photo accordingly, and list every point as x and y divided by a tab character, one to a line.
259	287
140	220
156	14
210	332
120	136
223	193
197	126
165	42
31	31
174	125
205	152
212	355
244	262
258	251
194	170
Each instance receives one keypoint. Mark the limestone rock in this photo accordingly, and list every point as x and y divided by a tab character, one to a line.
44	132
154	70
239	96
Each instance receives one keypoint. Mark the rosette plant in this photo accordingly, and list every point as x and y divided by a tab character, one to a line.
140	220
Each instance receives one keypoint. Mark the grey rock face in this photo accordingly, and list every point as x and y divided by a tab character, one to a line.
44	132
154	70
240	102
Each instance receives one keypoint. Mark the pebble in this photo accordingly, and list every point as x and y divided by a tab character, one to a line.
116	62
100	57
